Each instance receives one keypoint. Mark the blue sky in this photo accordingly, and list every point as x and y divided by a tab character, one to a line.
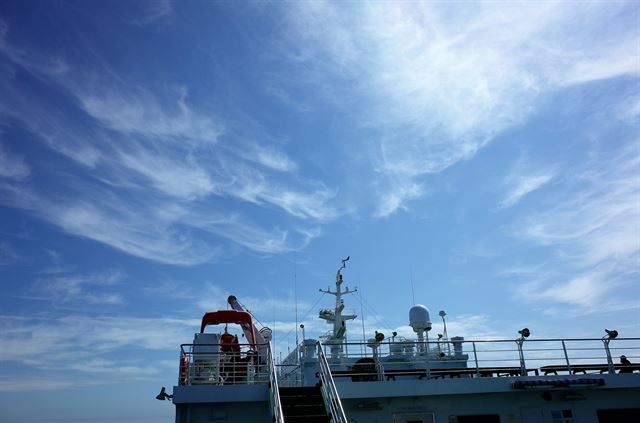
156	157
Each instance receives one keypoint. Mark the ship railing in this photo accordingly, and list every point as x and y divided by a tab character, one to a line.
482	358
329	390
289	374
211	364
276	405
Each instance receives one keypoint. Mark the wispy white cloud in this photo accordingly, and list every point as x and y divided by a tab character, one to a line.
81	287
133	234
396	198
271	158
159	163
152	12
8	254
38	64
180	177
12	166
585	290
253	237
56	347
288	99
138	112
593	234
33	383
523	186
597	217
629	110
142	227
440	84
83	337
309	203
522	180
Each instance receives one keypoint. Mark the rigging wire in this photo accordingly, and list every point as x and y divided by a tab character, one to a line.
306	314
374	313
364	335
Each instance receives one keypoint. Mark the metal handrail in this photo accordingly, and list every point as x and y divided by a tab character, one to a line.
208	364
483	355
330	393
289	375
276	405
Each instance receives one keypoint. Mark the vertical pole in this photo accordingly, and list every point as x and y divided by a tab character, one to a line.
376	360
609	360
475	357
427	343
523	368
566	356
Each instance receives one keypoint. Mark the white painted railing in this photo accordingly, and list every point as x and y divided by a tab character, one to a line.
476	358
276	405
207	364
329	391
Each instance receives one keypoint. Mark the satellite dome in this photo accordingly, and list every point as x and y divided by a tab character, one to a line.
419	318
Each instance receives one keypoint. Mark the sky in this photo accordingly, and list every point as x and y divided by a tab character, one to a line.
158	156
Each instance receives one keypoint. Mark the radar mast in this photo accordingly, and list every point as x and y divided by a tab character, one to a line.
335	316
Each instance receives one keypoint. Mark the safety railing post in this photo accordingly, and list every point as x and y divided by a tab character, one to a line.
609	359
328	387
475	358
523	366
566	356
276	405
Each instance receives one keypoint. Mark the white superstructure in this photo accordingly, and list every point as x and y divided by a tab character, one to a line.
421	380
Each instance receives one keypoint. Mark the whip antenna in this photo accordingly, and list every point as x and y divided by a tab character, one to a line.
413	294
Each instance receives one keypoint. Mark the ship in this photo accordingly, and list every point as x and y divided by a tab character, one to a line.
389	378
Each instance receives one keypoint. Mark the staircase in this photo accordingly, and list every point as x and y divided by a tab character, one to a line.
303	404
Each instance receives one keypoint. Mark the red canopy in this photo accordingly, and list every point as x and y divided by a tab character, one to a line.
228	316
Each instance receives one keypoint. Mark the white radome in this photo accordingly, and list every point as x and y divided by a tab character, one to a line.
419	318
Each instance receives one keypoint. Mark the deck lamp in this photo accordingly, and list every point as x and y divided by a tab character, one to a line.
163	395
611	334
524	333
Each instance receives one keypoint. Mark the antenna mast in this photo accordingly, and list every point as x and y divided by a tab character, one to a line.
335	316
295	295
413	294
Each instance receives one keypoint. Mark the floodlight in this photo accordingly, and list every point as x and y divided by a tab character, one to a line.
612	334
163	395
524	332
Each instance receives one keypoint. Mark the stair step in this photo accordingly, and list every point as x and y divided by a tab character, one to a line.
303	404
307	419
300	401
304	389
303	410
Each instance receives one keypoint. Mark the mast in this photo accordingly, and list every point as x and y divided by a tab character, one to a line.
335	316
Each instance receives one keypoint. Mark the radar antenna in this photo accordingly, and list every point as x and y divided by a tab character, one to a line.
344	265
